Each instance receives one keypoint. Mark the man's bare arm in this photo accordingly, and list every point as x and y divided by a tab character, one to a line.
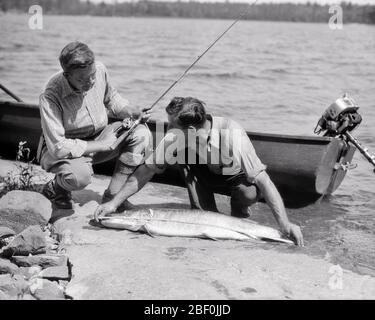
136	182
275	202
273	199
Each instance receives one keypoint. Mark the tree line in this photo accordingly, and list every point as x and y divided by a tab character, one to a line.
309	12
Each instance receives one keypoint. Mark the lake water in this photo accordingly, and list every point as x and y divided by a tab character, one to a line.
270	76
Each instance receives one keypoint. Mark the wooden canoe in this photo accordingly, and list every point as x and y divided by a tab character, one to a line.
303	167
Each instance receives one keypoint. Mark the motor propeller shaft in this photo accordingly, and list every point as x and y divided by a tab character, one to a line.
361	149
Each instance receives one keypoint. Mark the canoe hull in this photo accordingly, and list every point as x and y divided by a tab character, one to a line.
303	168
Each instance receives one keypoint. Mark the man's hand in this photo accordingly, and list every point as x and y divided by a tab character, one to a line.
145	114
104	209
107	140
294	232
103	143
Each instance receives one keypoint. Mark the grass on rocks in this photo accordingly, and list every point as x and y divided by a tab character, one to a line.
25	175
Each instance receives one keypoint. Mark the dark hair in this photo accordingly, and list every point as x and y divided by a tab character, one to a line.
190	111
76	55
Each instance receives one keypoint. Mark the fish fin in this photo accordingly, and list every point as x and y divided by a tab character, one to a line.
206	236
280	240
249	236
136	227
148	231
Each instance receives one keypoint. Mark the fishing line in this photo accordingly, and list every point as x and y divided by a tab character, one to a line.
138	120
200	56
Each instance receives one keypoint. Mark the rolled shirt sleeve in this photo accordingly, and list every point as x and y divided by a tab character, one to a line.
117	106
244	153
54	133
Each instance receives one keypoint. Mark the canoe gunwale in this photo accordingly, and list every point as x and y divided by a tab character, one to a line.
32	110
300	166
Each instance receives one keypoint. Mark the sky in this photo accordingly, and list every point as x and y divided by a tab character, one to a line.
268	1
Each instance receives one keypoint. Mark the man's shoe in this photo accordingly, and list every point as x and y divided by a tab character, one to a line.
60	197
243	213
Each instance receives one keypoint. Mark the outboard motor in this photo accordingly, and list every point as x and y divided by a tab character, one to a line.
339	119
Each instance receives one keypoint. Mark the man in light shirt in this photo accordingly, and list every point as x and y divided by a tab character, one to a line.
211	153
74	109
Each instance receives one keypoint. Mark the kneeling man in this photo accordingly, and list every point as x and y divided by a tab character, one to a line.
223	158
74	109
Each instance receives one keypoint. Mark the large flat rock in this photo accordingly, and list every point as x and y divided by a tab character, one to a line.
125	265
114	264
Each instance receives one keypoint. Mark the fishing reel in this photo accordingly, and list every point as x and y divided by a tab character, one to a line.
339	119
127	127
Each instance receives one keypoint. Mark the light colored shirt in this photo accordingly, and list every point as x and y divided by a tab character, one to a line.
227	150
69	117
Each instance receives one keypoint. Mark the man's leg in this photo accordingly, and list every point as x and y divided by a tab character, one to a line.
200	194
243	195
70	175
130	153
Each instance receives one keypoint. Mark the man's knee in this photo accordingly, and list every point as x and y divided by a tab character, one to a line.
137	148
75	177
140	138
244	195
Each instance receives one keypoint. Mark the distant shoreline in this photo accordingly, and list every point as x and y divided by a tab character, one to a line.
18	13
310	12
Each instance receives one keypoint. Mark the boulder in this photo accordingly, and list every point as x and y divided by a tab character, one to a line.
43	260
12	287
6	232
46	290
30	241
8	267
29	272
21	209
8	286
4	296
6	236
21	283
56	273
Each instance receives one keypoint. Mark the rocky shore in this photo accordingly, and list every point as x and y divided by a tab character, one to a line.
33	264
62	254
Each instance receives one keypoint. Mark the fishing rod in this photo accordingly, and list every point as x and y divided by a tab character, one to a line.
128	127
10	93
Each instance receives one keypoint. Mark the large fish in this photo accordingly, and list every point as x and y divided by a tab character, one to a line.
191	223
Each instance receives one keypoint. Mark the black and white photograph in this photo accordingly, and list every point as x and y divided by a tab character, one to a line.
187	151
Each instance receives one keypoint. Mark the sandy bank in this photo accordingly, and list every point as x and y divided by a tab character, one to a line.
111	264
